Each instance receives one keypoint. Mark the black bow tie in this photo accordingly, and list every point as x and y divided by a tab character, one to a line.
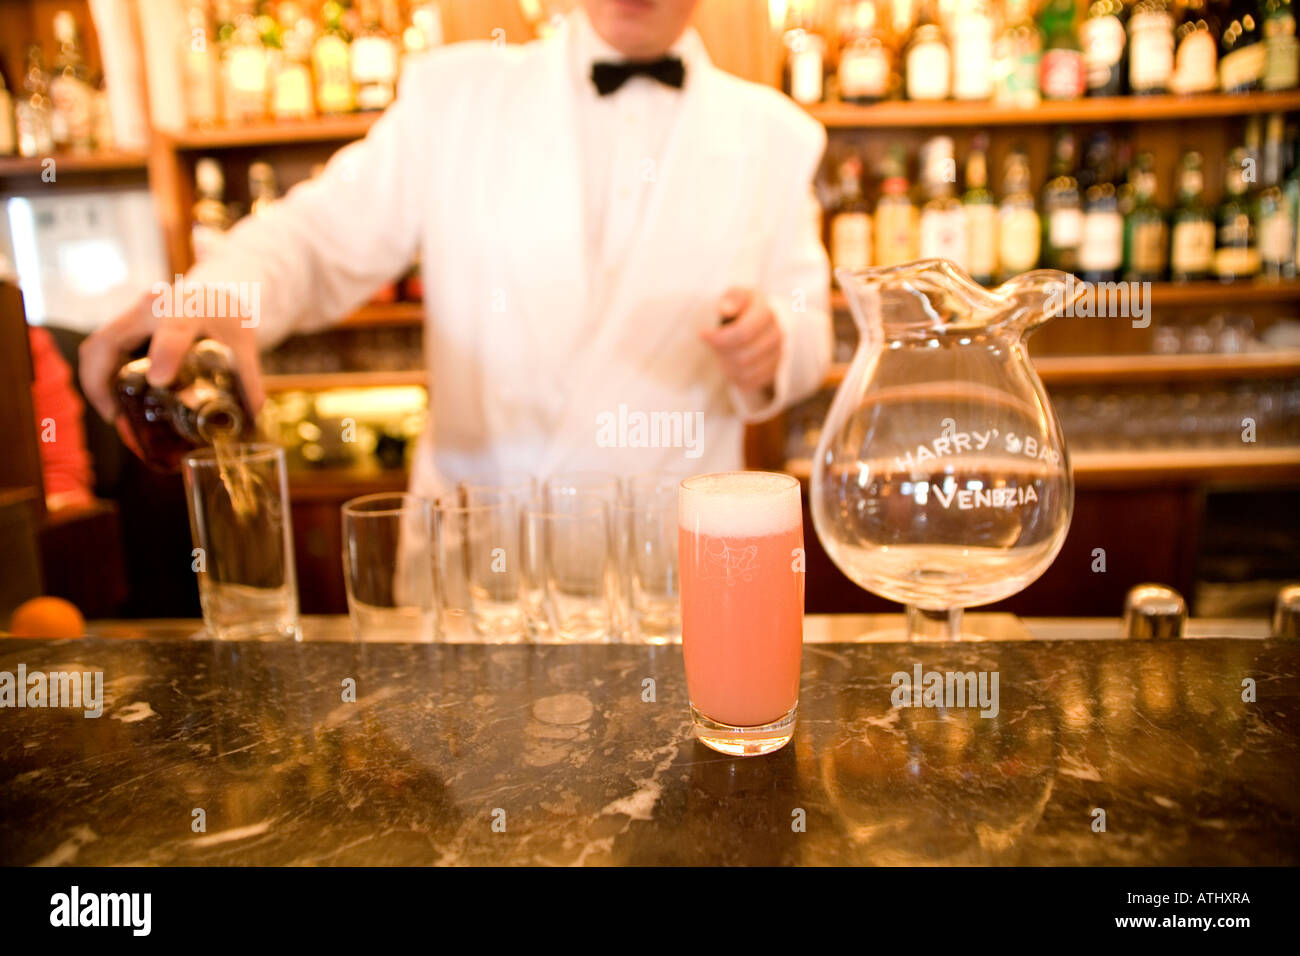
608	77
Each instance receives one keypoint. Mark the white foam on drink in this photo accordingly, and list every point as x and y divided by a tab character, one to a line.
741	504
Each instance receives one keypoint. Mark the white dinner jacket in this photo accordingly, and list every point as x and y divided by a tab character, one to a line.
476	167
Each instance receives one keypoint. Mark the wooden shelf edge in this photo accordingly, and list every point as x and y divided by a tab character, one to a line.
1208	293
387	314
327	130
317	381
1090	369
1110	109
111	161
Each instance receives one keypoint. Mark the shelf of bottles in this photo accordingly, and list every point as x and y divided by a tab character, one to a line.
263	73
1067	60
58	110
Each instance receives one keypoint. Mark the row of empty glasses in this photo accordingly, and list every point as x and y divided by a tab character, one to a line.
584	557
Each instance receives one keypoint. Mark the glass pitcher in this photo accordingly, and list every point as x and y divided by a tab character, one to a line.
941	480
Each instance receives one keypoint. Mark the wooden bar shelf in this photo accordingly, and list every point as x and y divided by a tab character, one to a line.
325	130
1128	369
387	314
902	114
22	167
1212	294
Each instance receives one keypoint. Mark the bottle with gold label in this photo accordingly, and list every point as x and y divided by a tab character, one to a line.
981	214
374	60
291	82
1236	249
1191	245
1019	233
330	63
1281	62
929	58
1243	56
245	79
1145	241
1273	217
1196	49
851	223
943	219
200	75
71	94
1101	247
864	67
803	72
8	140
897	226
33	115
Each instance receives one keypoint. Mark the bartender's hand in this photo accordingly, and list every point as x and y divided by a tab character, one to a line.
748	346
102	354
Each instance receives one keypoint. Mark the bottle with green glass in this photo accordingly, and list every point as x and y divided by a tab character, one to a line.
1145	246
1192	231
1273	217
1236	249
1062	207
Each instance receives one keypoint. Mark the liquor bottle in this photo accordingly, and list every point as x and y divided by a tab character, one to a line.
210	215
1101	248
943	219
71	94
1242	53
245	81
1191	245
1196	49
897	227
864	67
1018	58
330	63
1103	39
929	61
8	138
803	73
1291	192
981	213
1145	241
1236	252
200	78
972	51
851	222
262	189
374	61
425	29
1062	71
291	81
1281	63
204	405
1151	47
1276	242
1062	208
33	114
1018	227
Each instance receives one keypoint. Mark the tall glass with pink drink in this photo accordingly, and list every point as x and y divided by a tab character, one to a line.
740	547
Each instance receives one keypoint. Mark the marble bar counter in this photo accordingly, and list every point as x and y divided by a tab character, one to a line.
1099	752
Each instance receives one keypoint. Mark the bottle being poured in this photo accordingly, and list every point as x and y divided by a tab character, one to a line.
204	406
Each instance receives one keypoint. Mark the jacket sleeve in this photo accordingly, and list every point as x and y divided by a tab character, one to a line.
324	248
795	279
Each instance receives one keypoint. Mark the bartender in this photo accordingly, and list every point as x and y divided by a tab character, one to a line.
620	263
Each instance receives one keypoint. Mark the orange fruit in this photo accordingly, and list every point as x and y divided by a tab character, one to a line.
47	617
